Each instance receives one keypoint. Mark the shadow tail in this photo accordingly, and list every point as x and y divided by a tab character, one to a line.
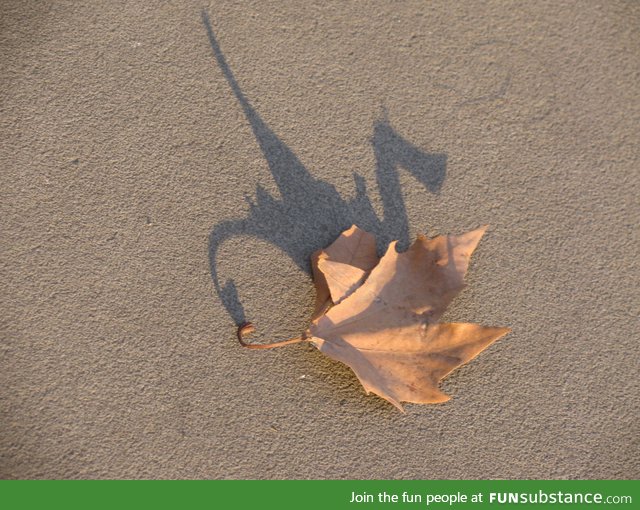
228	292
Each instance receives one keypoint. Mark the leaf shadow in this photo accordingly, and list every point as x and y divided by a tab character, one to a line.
310	213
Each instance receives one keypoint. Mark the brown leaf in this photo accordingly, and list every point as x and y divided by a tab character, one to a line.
384	331
383	325
342	267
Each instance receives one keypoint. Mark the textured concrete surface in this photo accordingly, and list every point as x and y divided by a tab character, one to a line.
162	178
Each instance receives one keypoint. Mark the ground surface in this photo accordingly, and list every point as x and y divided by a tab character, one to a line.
148	150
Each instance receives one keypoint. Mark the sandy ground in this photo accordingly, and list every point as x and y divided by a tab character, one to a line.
167	173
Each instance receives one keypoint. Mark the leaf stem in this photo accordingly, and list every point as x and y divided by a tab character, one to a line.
247	328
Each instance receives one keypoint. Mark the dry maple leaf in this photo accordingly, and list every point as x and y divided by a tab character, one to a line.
383	322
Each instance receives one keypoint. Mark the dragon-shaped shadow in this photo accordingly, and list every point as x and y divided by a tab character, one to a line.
311	213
